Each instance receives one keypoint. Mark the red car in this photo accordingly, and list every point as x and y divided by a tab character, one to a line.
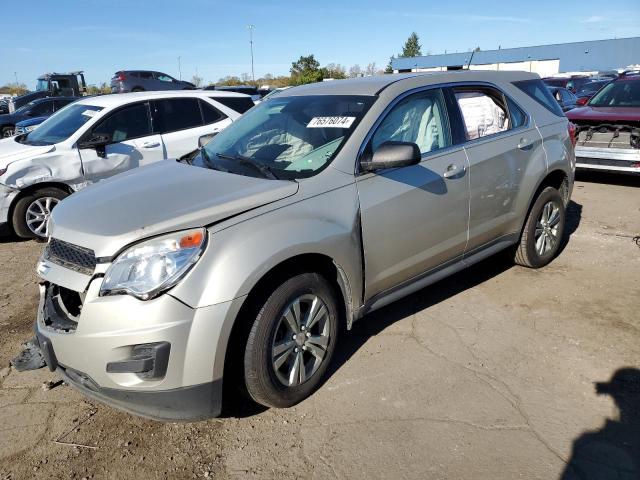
608	127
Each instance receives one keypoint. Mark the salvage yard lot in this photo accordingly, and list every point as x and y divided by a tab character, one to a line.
488	374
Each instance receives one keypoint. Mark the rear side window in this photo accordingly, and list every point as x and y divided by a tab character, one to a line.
176	114
518	117
129	122
483	110
537	90
238	104
210	114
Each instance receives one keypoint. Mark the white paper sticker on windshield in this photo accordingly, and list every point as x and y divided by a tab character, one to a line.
331	122
89	113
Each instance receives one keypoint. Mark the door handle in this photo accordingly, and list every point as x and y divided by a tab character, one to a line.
453	170
150	144
525	144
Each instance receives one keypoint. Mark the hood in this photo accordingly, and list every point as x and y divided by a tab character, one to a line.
11	151
605	114
11	118
31	121
163	197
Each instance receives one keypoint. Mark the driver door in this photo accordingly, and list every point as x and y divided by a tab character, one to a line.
132	143
414	218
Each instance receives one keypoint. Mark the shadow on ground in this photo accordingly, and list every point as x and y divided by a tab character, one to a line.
623	180
613	452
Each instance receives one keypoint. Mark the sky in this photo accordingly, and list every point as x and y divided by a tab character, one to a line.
212	39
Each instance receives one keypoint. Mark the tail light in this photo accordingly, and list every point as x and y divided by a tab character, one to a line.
582	101
572	133
121	77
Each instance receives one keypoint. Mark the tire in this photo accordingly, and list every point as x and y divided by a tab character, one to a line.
44	201
7	131
137	89
265	382
540	239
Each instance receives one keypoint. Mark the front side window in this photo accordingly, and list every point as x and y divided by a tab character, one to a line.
175	114
483	111
287	137
419	118
164	78
624	93
41	109
62	124
127	123
42	86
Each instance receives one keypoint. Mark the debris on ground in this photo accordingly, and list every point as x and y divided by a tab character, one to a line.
30	358
51	384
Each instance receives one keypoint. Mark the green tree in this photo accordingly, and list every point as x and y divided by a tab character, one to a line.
335	71
389	68
412	47
305	70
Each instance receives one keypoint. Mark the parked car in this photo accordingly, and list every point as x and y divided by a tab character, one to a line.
588	90
145	80
246	89
608	127
274	92
96	138
29	125
573	83
564	97
4	106
38	108
315	208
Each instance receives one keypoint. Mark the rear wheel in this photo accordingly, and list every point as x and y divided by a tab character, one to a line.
137	89
8	131
543	230
291	341
31	213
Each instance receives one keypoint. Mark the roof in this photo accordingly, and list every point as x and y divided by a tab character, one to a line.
116	99
373	85
576	56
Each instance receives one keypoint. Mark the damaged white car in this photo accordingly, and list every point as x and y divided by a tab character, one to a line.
96	138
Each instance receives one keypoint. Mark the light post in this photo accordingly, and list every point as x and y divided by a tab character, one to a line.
251	27
179	68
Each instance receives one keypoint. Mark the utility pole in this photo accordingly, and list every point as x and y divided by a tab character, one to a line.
179	68
15	74
251	27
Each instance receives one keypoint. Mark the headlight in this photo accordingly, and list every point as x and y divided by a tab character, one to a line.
30	128
149	268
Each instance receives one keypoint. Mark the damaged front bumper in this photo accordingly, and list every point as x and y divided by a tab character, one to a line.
153	359
623	160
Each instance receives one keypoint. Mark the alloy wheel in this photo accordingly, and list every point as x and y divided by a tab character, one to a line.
301	339
38	213
546	233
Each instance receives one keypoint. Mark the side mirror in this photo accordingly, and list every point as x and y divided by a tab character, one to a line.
97	141
393	155
204	139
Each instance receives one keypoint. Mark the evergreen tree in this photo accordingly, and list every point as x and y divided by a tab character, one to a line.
412	47
389	68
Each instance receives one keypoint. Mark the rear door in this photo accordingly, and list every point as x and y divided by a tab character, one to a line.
182	121
132	143
500	143
414	218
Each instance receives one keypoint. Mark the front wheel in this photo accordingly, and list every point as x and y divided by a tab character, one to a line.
291	341
31	213
7	131
542	231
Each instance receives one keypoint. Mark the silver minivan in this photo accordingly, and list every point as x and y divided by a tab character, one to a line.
245	263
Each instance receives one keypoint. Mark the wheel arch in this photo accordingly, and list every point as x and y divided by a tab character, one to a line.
34	188
558	179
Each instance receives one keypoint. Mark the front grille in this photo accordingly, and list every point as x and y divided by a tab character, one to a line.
70	256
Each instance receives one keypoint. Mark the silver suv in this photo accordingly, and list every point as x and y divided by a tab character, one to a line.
313	209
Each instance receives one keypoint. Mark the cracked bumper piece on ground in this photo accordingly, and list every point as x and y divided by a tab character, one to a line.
159	358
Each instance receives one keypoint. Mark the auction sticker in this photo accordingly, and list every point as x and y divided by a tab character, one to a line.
89	113
331	122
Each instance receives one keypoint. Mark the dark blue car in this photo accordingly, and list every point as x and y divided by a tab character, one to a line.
44	107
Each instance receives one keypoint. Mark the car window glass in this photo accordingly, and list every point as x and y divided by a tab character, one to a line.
145	75
482	112
164	78
518	117
58	104
420	118
42	108
210	113
541	94
129	122
622	93
177	114
237	104
61	125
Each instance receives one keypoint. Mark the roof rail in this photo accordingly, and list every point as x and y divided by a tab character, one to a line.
634	72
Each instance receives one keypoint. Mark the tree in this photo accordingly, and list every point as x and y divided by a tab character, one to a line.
245	77
14	89
355	71
335	71
412	47
371	69
389	68
196	80
477	49
305	70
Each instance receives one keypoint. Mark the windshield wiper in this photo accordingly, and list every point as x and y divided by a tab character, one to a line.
208	161
257	165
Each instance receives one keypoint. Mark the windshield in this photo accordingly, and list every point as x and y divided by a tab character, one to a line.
43	85
618	94
285	138
62	124
25	108
591	87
